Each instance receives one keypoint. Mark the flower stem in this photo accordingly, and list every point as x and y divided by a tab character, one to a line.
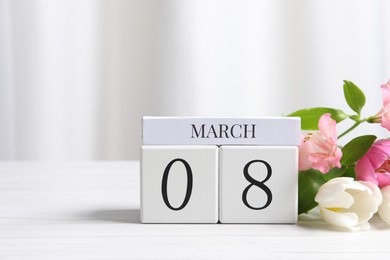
351	128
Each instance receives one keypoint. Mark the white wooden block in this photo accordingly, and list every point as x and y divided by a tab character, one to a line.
221	130
179	184
258	184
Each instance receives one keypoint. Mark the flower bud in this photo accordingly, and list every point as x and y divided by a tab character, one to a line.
347	203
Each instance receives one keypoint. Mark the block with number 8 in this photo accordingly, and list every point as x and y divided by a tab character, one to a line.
258	184
179	184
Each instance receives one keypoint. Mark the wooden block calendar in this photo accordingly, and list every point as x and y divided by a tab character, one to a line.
232	170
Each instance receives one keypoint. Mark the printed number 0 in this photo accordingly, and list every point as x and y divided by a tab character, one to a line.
165	183
259	184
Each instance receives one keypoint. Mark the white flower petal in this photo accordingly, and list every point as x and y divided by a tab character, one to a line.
333	188
347	203
365	206
339	218
374	188
356	185
384	209
363	226
340	199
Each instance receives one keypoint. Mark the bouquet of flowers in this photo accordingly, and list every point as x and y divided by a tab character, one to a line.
349	184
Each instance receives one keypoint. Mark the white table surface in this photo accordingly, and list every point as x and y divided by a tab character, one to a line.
90	210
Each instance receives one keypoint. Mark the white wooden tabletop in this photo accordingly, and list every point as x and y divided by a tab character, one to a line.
90	210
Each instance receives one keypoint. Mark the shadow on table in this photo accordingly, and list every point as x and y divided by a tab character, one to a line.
117	215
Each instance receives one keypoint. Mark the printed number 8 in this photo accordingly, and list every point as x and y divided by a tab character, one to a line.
259	184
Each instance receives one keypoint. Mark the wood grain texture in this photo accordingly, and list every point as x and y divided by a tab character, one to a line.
90	210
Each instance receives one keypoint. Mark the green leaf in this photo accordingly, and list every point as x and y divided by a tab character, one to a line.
310	116
334	173
340	172
354	96
350	172
308	184
356	148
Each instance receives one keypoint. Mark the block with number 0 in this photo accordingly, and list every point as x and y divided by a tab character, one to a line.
258	184
179	184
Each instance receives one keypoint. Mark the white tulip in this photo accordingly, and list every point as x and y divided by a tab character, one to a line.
347	203
384	209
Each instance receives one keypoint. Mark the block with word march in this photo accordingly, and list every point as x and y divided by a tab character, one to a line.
232	170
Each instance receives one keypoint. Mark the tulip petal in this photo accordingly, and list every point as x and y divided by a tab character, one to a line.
332	194
347	203
334	186
340	219
375	190
383	179
339	199
365	205
373	166
362	227
384	209
364	171
378	153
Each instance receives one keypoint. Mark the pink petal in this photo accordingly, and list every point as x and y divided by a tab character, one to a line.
386	93
385	121
327	126
305	149
323	168
318	150
364	171
335	160
383	179
379	153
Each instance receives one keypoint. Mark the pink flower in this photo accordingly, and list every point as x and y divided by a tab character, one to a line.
318	150
383	116
374	166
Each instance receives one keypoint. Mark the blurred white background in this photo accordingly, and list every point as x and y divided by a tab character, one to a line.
76	76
